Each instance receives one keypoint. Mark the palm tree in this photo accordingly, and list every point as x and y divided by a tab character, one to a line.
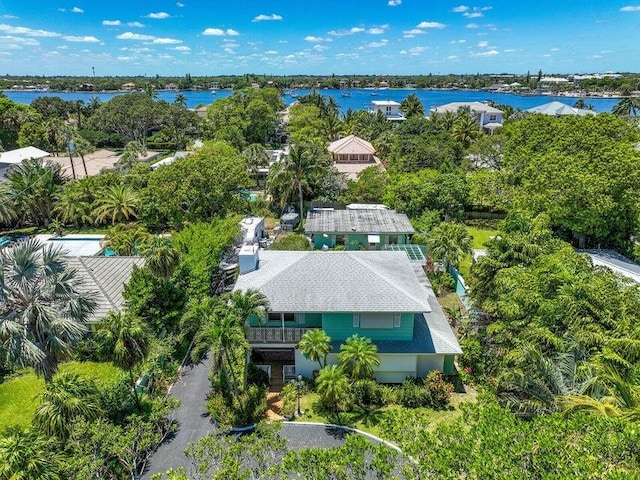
7	207
82	147
131	341
67	398
449	243
412	106
73	208
315	344
132	152
332	385
25	455
358	356
292	174
465	129
127	240
627	107
180	100
331	128
42	311
118	203
256	157
161	258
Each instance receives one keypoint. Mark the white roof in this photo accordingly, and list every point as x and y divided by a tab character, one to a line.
386	103
474	107
20	154
347	281
558	109
351	145
619	264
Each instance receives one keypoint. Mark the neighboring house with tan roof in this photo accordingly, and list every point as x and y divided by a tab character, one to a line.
353	154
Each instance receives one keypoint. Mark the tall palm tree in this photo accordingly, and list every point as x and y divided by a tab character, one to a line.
358	356
332	385
180	100
42	310
465	129
315	344
131	341
82	147
293	173
627	107
331	127
257	157
449	243
161	258
67	398
24	455
7	207
118	203
127	240
412	106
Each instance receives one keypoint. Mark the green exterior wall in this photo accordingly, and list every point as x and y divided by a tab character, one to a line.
339	326
310	320
449	366
354	240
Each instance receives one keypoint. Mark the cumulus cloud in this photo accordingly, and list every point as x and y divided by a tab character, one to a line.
159	15
381	43
461	9
631	8
311	38
135	24
218	32
85	39
134	36
265	18
483	44
77	10
378	30
472	14
181	48
166	41
394	3
430	25
179	4
29	32
111	23
488	53
320	48
344	32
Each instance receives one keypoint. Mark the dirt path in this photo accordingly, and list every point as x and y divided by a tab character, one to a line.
274	406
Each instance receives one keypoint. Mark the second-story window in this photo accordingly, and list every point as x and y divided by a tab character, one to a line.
493	118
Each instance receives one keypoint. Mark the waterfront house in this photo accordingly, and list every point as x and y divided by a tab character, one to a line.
381	295
559	109
389	108
486	117
369	229
11	158
353	154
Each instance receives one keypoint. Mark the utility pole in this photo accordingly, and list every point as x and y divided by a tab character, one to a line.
94	71
70	148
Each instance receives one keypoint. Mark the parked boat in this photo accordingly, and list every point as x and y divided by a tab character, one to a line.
346	95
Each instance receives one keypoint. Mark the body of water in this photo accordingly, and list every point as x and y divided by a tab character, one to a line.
357	99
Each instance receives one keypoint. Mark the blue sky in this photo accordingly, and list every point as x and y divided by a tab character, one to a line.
137	37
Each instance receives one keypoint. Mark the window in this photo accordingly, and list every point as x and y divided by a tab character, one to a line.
376	320
278	317
397	318
393	239
388	109
289	317
274	317
492	118
356	320
341	240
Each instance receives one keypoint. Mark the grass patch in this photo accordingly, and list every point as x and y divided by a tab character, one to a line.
368	420
18	397
480	236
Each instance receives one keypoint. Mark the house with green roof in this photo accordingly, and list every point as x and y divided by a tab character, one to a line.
358	229
381	295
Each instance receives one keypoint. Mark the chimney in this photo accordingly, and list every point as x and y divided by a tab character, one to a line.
248	258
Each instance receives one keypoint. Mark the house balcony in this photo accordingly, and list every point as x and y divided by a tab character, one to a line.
259	335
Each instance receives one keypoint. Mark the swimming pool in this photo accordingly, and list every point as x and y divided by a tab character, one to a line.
75	245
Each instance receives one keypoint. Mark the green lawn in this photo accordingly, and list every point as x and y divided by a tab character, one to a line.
18	397
368	420
480	237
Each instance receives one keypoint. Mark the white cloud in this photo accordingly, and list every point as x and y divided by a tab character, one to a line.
159	15
166	41
31	42
8	16
458	41
85	39
311	38
231	32
472	14
555	49
271	52
461	8
394	3
320	48
472	25
134	36
414	31
430	25
179	4
488	53
77	10
452	57
111	23
378	30
62	10
381	43
265	18
631	8
483	44
135	24
344	32
417	50
509	50
218	32
181	48
29	32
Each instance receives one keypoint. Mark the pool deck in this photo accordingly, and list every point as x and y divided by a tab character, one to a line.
75	245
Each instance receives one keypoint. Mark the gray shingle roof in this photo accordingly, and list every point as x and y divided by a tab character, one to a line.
376	281
358	221
105	277
618	263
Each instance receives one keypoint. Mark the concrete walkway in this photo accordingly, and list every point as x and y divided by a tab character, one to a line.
191	389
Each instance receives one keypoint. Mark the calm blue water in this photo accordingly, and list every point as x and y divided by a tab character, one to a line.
359	100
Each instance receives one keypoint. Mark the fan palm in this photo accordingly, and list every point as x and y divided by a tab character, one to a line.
161	258
131	341
67	398
358	357
332	385
27	456
315	344
42	309
449	243
118	204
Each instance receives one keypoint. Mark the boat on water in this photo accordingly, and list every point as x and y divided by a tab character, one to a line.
213	92
345	95
374	94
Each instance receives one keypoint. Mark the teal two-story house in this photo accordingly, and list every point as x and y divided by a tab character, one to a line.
358	229
376	294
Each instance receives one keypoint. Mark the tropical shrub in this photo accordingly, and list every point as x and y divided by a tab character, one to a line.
472	358
288	396
292	241
412	395
245	409
368	393
439	389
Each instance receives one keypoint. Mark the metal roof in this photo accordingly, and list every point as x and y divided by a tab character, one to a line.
386	103
20	154
559	109
357	221
474	107
105	277
618	263
316	281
